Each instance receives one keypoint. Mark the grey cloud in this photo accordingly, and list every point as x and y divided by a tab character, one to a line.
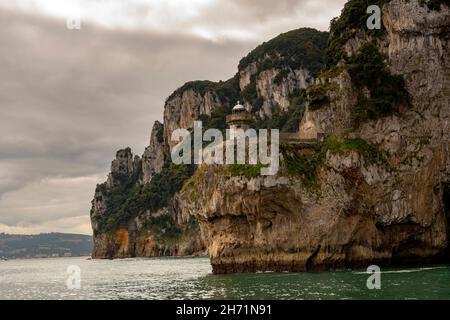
70	99
266	18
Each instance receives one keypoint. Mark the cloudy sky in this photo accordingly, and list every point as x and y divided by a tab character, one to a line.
70	98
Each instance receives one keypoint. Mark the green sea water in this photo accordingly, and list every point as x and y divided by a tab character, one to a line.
191	278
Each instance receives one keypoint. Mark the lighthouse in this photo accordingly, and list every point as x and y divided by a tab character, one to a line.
239	118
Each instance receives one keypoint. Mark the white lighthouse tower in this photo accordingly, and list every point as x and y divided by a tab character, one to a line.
239	119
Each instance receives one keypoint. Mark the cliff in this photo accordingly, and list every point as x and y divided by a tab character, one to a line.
132	213
377	189
136	211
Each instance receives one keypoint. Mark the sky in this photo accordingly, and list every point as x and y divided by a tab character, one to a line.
70	98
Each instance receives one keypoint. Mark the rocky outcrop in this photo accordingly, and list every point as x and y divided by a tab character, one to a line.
246	74
186	106
375	191
138	240
272	73
336	117
273	88
380	192
144	233
124	165
154	155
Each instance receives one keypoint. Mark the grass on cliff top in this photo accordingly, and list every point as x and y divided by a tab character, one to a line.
245	170
307	165
301	164
227	91
295	163
293	49
289	51
339	145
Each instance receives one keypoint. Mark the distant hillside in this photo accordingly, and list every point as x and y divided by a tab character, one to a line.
44	245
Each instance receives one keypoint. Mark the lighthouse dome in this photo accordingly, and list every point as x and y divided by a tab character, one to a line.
238	107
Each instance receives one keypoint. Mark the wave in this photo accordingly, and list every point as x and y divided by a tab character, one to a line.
405	270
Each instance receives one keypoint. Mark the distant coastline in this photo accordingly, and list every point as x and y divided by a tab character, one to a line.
45	245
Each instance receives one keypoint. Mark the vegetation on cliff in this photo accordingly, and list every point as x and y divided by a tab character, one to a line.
128	198
434	4
380	93
226	91
318	94
387	91
250	94
286	54
245	170
293	49
353	18
285	121
345	163
305	161
164	229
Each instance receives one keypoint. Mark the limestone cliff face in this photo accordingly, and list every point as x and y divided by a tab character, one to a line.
123	166
376	191
366	207
186	106
271	73
416	45
145	233
154	154
272	87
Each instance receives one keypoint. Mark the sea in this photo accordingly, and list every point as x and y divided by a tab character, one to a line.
191	278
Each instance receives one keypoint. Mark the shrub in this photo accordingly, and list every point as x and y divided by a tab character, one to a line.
299	164
245	170
199	86
318	95
163	228
434	4
295	112
306	165
227	91
387	91
217	120
353	18
129	199
293	49
369	151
